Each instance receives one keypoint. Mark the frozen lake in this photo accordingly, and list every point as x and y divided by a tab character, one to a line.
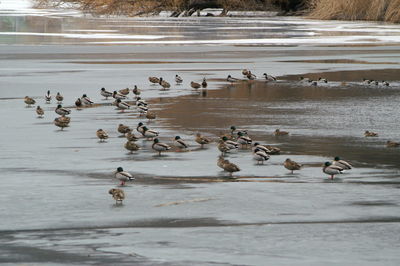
182	210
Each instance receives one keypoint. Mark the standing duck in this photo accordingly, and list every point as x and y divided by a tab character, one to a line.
47	97
322	80
140	127
154	80
178	79
149	134
251	76
29	101
331	170
222	147
118	96
159	146
342	164
195	85
269	77
164	84
123	129
230	143
291	165
202	140
122	105
117	194
123	176
131	146
105	93
231	79
243	140
151	115
179	143
62	111
59	97
62	121
136	91
221	161
204	83
78	104
131	137
260	156
39	112
101	134
230	167
86	100
124	91
245	72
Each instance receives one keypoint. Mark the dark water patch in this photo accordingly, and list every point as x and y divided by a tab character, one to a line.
373	203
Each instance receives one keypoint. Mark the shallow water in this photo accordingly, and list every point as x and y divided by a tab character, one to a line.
181	209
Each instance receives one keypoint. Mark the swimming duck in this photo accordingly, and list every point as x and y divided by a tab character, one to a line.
245	72
392	144
62	111
231	79
29	101
195	85
140	127
201	139
131	137
124	91
154	80
101	134
164	84
291	165
105	93
131	146
149	134
251	76
150	116
47	97
118	96
123	176
39	112
159	146
78	104
331	170
136	91
86	100
204	83
342	164
122	105
123	129
62	121
260	156
370	134
59	97
242	139
230	143
230	167
269	77
178	79
117	194
179	143
323	80
278	132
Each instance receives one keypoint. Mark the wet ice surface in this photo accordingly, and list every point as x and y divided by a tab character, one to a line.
181	209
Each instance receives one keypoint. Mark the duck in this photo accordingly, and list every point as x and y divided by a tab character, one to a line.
291	165
131	146
245	72
105	93
59	97
233	129
142	109
257	145
375	82
29	101
124	91
342	164
370	134
123	129
122	105
123	176
251	76
149	134
178	79
242	139
62	111
117	194
86	100
140	101
179	143
230	143
47	97
78	104
164	84
195	85
101	134
204	83
221	161
222	147
303	79
39	112
278	132
231	79
151	115
367	81
392	144
385	83
230	167
154	80
260	156
271	150
313	82
159	146
136	91
140	127
331	170
62	122
131	137
118	96
202	140
322	80
269	77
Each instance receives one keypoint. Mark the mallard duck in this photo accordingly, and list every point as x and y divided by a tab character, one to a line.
303	79
47	97
159	146
271	150
150	116
140	127
62	121
331	170
233	131
123	176
118	96
245	72
392	144
149	134
342	164
105	93
179	143
222	147
86	100
370	134
142	109
29	101
201	139
231	79
257	145
385	83
230	167
278	132
375	82
195	85
242	139
260	156
251	76
322	80
131	146
140	102
117	194
164	84
131	137
122	105
313	82
269	77
136	91
101	134
291	165
230	143
154	80
59	97
124	91
221	161
123	129
178	79
204	83
78	104
39	112
62	111
366	81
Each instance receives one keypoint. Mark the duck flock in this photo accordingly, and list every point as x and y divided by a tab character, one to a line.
233	139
